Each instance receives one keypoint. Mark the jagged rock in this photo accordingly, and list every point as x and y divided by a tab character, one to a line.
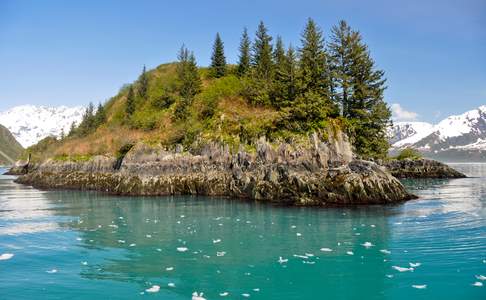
421	168
320	172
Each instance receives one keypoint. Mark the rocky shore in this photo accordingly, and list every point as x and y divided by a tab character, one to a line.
421	168
320	171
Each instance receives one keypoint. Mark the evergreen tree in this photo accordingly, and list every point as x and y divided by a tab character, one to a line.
100	116
313	61
218	60
189	81
279	52
130	103
72	129
285	86
87	123
143	84
244	58
262	54
62	135
359	87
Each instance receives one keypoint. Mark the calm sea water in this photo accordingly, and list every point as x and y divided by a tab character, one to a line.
85	245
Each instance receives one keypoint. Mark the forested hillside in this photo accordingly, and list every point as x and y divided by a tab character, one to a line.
274	90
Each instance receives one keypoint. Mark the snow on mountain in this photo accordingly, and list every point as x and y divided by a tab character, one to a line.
465	132
29	124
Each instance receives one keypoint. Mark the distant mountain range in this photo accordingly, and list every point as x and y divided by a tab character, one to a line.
10	149
29	124
456	138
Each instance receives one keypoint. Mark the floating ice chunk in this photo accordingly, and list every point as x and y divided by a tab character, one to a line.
309	254
216	241
79	239
367	244
419	286
121	241
308	262
415	265
282	260
389	276
171	284
400	269
350	253
373	225
246	295
196	296
301	256
169	268
478	283
182	249
6	256
132	245
256	290
326	249
298	234
148	235
293	226
384	251
158	250
84	263
52	271
481	277
220	253
224	294
153	289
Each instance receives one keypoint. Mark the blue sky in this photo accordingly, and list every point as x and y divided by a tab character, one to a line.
73	52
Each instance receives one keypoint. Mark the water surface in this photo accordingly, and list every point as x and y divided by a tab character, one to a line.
86	245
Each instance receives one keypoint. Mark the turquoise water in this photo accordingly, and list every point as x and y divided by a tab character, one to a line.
85	245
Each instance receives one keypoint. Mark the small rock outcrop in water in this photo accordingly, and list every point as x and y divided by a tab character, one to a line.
421	168
317	173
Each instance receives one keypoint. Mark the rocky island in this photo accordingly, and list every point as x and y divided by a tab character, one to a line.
287	127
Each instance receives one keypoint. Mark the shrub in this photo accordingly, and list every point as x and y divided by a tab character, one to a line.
409	153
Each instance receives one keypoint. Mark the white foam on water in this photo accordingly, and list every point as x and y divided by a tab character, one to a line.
419	286
326	249
400	269
389	276
385	251
224	294
6	256
308	262
153	289
309	254
52	271
182	249
301	256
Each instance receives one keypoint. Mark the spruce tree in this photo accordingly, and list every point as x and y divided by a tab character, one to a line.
100	116
313	61
262	53
358	86
72	129
143	84
218	60
279	52
285	84
189	81
245	56
130	103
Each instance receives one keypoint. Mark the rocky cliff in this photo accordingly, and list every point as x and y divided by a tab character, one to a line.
421	168
317	172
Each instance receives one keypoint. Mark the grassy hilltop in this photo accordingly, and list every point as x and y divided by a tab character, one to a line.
277	92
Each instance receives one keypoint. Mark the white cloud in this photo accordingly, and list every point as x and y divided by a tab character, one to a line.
400	114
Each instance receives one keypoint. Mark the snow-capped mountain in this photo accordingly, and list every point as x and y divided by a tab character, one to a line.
460	135
29	124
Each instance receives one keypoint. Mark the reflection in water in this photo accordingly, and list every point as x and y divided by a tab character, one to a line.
116	247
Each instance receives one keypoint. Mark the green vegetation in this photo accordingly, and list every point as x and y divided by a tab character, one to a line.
275	90
10	149
409	153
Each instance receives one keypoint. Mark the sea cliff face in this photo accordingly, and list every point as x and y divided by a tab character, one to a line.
317	172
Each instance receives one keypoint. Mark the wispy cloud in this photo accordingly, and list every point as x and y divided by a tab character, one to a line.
401	114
